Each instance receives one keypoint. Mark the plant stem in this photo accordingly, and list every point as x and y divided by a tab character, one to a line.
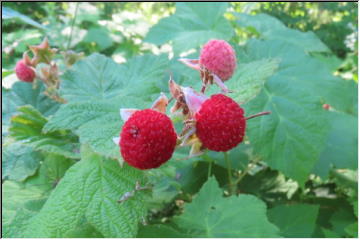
209	169
72	26
258	115
243	173
231	185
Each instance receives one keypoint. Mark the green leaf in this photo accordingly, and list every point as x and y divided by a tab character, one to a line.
352	230
211	215
330	234
342	219
50	173
192	24
19	205
271	28
98	77
100	36
28	126
293	136
95	122
341	149
269	185
19	162
8	13
91	189
159	231
250	78
23	93
296	220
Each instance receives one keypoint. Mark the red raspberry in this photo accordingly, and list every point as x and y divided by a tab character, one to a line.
148	139
220	123
218	57
24	72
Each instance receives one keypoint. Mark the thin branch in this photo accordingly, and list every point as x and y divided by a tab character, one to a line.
258	115
72	26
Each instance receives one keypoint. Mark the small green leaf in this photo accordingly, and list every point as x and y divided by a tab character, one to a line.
19	162
23	93
294	220
28	126
91	188
211	215
192	24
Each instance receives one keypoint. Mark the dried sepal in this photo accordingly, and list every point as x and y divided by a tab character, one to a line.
42	52
192	63
160	103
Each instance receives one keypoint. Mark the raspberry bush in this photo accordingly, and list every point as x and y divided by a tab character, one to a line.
174	120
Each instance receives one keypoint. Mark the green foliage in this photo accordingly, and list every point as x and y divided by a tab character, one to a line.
191	26
91	185
8	13
19	161
294	220
211	215
28	126
295	174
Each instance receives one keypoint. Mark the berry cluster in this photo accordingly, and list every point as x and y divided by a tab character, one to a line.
148	138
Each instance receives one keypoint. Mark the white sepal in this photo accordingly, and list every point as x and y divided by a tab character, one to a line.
125	113
116	140
193	99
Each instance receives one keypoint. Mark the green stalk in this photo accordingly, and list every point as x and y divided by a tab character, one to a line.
231	185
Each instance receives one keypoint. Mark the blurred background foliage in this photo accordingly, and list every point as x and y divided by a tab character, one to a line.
118	29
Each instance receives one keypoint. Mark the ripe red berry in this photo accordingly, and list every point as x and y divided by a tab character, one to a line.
220	123
148	139
24	72
218	57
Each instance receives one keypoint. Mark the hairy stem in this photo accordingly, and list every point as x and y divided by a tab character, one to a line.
231	185
209	169
258	115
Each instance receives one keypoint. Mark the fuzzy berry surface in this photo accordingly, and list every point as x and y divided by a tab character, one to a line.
148	139
220	123
24	72
218	57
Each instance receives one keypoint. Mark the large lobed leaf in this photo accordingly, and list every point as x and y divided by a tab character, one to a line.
293	137
97	88
192	24
98	77
212	215
90	190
